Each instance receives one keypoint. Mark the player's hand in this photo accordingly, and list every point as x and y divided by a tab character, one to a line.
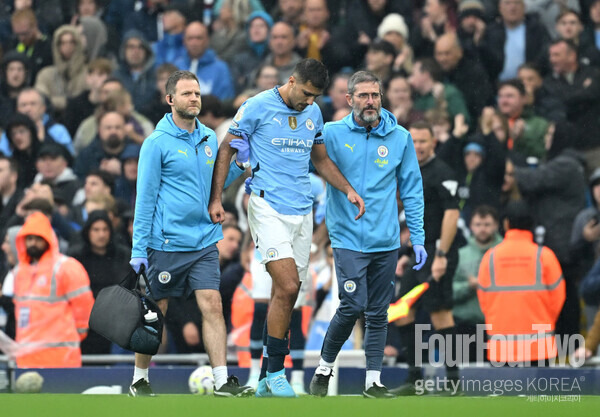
355	199
438	268
243	148
247	183
137	263
420	256
217	214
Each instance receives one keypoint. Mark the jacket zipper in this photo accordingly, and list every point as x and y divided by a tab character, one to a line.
364	176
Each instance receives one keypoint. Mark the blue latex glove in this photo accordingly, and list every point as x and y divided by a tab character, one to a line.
420	256
247	185
243	149
136	264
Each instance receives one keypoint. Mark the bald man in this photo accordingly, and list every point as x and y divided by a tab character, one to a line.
466	74
281	46
213	74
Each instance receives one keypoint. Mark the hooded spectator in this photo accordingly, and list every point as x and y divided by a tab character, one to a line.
66	78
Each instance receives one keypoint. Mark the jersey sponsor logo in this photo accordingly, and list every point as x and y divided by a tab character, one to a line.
451	186
349	286
382	151
293	145
208	151
278	121
292	122
381	162
164	277
272	253
183	152
350	147
309	124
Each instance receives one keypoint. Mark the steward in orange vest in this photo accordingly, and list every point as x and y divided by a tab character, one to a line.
520	286
52	299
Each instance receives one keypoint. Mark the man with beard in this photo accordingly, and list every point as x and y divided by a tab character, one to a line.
284	126
366	261
105	151
174	238
52	297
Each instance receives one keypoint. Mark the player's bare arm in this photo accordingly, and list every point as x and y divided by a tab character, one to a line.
330	172
215	206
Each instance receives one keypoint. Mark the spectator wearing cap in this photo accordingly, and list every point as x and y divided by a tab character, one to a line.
512	41
31	103
171	47
471	26
106	149
247	61
52	163
479	163
213	73
578	87
15	75
465	73
394	30
555	190
379	59
430	92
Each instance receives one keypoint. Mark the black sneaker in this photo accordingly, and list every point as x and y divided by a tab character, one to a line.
141	388
378	391
405	390
319	384
233	389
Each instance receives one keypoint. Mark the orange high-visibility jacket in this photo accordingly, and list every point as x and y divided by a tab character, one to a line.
53	302
520	285
242	313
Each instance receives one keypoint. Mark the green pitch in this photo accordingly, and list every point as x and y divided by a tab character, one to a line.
77	405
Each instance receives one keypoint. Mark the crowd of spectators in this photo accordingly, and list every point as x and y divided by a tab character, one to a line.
511	87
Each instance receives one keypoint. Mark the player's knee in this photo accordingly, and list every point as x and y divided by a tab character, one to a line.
210	305
351	309
376	321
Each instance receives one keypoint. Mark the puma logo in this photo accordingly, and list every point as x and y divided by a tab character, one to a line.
350	147
278	121
183	152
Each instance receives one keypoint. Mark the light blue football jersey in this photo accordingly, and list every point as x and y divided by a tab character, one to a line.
281	140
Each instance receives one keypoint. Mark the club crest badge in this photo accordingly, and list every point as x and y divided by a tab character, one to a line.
349	286
164	277
382	151
272	253
309	124
208	151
